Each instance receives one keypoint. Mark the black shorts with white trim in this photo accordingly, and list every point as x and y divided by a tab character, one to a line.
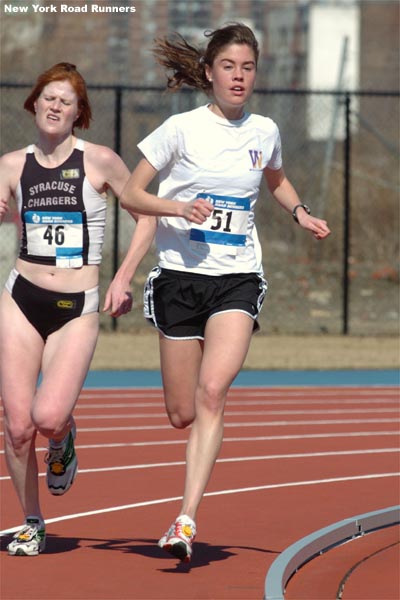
179	303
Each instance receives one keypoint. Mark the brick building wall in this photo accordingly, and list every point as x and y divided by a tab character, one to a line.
115	48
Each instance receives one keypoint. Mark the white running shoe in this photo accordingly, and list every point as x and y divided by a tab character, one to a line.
179	538
62	465
30	540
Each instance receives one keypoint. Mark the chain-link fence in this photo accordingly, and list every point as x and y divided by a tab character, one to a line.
341	152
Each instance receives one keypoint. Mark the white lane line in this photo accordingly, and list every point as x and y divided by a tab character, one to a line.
244	413
236	459
274	392
245	403
258	488
241	403
257	438
293	423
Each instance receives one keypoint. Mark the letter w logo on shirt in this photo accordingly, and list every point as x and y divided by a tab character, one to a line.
256	158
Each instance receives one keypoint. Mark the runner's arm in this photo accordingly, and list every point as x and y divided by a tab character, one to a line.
136	198
285	194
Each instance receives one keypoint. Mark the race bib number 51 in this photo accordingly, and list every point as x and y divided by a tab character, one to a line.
55	234
227	226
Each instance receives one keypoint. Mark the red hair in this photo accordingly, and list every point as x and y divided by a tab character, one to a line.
63	72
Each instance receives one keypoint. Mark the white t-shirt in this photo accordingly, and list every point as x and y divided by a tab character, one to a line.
199	153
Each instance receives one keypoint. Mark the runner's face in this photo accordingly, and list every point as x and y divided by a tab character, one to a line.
57	108
233	76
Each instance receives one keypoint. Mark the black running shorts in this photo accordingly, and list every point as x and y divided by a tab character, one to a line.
179	304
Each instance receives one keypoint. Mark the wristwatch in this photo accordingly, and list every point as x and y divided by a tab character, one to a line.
294	211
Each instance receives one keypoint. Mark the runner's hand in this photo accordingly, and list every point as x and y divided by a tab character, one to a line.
197	211
3	208
118	300
318	227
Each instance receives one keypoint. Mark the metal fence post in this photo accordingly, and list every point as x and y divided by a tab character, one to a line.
346	214
117	148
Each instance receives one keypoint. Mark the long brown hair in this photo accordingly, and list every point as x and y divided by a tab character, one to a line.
63	71
187	62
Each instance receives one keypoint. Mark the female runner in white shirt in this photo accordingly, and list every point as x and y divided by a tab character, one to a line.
205	294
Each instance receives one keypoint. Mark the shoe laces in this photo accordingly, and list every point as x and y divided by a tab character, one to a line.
185	530
27	533
54	455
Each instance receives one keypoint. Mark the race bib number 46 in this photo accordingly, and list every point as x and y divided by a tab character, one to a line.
55	234
227	226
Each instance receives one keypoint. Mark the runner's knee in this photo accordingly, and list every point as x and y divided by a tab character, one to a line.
211	396
50	423
18	435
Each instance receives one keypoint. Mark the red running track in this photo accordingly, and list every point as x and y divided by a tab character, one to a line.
294	460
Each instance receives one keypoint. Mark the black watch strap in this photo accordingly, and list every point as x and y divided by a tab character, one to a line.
294	211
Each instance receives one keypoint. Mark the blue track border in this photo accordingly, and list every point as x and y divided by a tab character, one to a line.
334	378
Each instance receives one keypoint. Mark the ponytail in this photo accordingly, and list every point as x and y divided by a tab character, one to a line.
184	60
